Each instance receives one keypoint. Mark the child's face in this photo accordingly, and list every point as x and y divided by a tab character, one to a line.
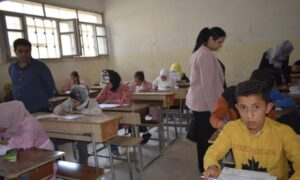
163	78
74	78
138	81
253	110
2	130
75	103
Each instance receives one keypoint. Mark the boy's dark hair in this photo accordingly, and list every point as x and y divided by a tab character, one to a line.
140	75
21	42
250	87
265	76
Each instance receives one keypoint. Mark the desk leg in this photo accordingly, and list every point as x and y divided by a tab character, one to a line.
95	150
111	163
161	131
180	115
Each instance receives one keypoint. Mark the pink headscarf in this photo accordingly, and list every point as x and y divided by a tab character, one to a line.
11	116
22	130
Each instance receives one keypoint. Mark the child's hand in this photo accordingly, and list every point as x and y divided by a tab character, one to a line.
4	141
108	102
212	171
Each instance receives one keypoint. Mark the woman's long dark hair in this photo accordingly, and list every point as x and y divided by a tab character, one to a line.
75	74
114	79
205	33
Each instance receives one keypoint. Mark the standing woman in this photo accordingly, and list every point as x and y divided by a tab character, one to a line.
277	60
206	85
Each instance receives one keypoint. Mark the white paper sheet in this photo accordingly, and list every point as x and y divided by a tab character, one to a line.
54	116
103	106
3	149
45	116
238	174
72	116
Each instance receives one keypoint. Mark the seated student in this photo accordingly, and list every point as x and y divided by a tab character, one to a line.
225	106
20	130
78	101
177	74
295	68
279	99
140	84
276	59
75	80
257	142
114	92
7	88
163	81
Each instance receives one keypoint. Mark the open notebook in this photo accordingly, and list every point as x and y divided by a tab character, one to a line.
238	174
68	117
103	106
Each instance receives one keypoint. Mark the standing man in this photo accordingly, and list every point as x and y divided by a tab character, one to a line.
32	80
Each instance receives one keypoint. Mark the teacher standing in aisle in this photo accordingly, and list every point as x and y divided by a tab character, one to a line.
206	85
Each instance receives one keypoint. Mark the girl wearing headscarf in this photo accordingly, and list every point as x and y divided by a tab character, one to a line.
177	74
163	81
277	60
78	101
19	130
206	86
114	91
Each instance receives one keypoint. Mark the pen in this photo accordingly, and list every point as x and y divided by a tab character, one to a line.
209	178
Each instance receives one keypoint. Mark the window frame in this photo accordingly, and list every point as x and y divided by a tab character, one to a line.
76	35
6	51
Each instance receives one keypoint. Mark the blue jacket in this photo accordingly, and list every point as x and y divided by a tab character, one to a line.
33	85
280	99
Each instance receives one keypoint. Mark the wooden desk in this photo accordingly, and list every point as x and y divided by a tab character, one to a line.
130	114
104	127
54	101
92	93
98	88
167	98
284	111
38	163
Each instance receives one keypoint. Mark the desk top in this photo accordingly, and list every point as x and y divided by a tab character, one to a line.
87	119
57	98
68	92
130	108
27	160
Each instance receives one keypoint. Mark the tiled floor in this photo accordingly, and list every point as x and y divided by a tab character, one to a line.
178	162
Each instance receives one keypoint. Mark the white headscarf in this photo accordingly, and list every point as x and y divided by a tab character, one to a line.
164	72
274	54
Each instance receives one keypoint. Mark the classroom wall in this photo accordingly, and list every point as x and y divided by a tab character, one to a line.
89	69
148	35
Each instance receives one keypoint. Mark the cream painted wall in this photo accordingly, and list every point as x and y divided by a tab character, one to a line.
89	69
148	35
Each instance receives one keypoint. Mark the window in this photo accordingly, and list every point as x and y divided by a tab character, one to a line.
21	6
101	40
89	17
55	32
61	13
14	29
67	38
42	33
